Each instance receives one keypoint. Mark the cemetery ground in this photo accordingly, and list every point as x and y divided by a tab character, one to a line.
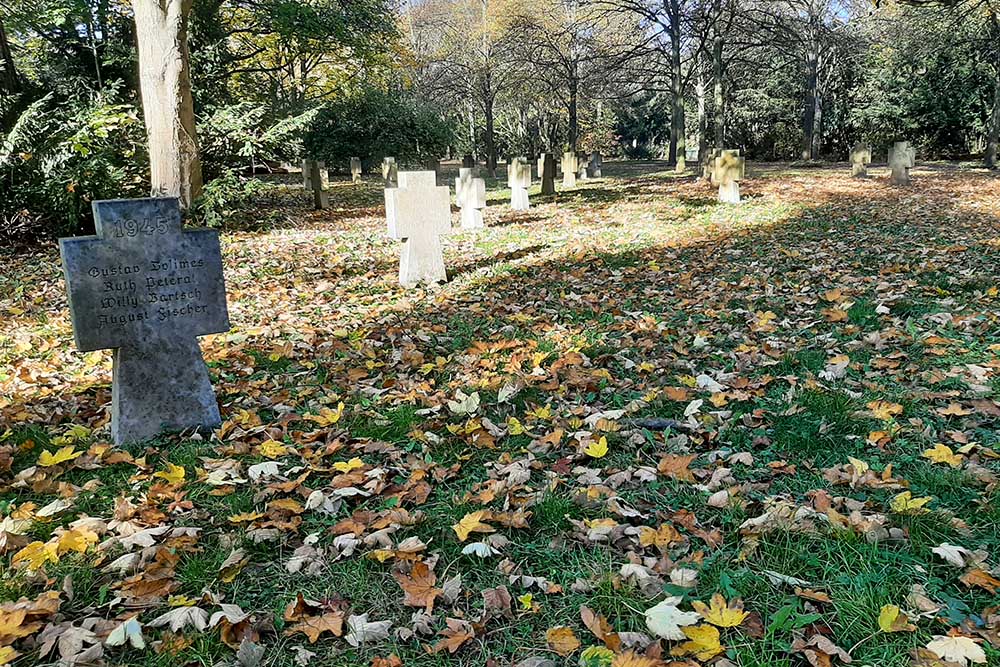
628	398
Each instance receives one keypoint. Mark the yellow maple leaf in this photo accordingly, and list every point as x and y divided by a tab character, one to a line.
527	601
472	523
326	416
892	619
272	449
905	503
885	410
76	539
173	474
598	449
36	554
63	454
704	642
514	427
942	453
721	613
348	466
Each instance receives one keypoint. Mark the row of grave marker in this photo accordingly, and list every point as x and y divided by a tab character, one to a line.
146	288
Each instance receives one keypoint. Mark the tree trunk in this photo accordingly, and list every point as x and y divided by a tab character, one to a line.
677	130
164	76
9	79
491	144
993	134
809	113
719	117
817	140
574	121
702	115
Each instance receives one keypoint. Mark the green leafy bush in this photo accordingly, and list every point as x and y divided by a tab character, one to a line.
374	123
60	155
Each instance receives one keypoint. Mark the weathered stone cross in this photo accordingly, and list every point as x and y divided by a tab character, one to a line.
861	157
596	165
390	177
901	159
355	170
148	289
729	171
470	192
418	212
519	180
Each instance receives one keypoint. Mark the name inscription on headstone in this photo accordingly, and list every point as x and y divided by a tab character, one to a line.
141	272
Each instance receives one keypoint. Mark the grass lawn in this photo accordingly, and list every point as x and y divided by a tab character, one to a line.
626	395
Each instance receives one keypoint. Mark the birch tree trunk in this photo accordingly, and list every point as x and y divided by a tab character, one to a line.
165	81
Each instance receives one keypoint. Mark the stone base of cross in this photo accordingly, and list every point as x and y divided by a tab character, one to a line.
147	289
418	213
902	158
519	180
729	171
569	170
861	157
470	193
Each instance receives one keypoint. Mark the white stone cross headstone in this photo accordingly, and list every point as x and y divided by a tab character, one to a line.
390	176
146	288
355	170
902	158
729	171
471	195
569	169
861	157
519	180
581	167
418	212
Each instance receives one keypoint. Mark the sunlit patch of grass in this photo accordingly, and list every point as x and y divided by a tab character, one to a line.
823	425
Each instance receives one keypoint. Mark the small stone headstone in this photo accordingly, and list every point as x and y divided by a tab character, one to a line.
547	173
902	158
541	165
569	169
581	167
519	180
316	180
355	170
470	192
433	164
729	171
418	212
147	288
468	161
708	166
861	157
596	165
390	176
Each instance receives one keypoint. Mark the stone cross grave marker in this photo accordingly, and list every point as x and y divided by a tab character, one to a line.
390	174
569	169
902	158
418	212
581	167
519	180
433	164
861	157
729	171
547	173
355	170
470	192
147	288
596	165
468	162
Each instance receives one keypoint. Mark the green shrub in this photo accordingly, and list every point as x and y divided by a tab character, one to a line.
60	155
